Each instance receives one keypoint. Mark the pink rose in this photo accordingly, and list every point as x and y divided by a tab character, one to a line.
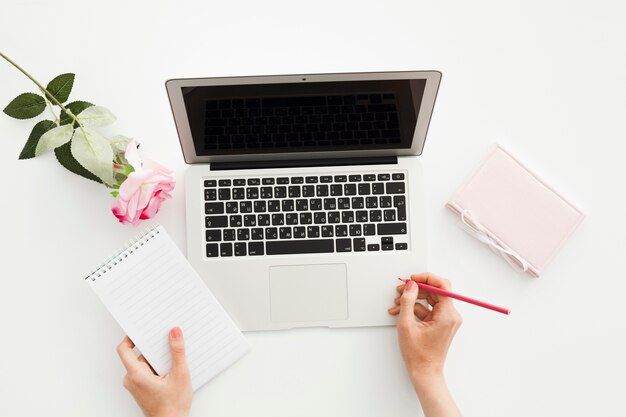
141	194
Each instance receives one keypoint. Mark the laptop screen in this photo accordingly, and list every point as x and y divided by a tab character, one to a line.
303	117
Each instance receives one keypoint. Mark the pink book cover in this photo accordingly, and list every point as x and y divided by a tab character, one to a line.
517	209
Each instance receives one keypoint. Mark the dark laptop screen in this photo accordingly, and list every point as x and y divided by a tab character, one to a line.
303	117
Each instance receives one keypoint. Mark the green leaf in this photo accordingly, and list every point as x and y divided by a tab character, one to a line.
93	151
65	158
96	116
115	193
54	138
31	144
25	106
75	107
61	87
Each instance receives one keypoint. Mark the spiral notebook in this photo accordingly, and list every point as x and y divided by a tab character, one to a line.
150	287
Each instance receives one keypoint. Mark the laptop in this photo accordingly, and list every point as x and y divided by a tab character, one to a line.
304	192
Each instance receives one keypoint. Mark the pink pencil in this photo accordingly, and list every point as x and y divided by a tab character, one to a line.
439	291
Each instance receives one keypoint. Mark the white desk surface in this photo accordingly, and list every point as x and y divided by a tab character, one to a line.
546	79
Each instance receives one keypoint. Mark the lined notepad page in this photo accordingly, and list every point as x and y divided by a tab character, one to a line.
151	288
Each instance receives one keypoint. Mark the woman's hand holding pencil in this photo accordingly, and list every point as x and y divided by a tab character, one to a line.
424	343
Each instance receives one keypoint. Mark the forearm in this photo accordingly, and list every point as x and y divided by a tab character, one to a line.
434	396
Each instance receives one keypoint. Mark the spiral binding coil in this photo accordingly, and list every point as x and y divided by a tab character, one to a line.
123	253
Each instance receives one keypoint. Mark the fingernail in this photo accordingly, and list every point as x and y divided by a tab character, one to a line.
410	285
175	333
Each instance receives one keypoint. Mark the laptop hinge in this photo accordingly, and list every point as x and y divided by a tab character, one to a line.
299	163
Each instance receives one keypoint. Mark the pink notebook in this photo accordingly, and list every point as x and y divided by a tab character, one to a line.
514	212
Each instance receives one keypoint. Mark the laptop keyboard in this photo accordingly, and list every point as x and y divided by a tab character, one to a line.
276	215
297	122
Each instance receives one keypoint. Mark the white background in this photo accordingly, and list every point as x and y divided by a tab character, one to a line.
547	79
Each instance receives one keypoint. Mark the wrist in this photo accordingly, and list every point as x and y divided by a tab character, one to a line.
427	379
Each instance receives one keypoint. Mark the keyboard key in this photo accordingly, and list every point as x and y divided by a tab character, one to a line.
386	240
336	190
224	183
373	248
302	204
300	246
249	220
271	233
344	245
391	229
395	188
371	202
358	202
213	208
210	183
240	249
315	204
341	230
347	216
299	232
306	218
397	177
278	219
321	190
341	178
280	192
308	191
259	206
229	235
245	207
243	234
236	220
255	248
361	216
282	180
287	205
364	188
355	230
239	193
319	217
358	244
343	203
226	249
210	194
349	189
401	246
263	220
232	207
297	180
390	215
387	246
385	201
376	216
330	204
239	182
291	218
213	235
378	188
369	229
212	222
257	233
252	193
334	217
326	178
254	181
383	177
294	191
284	232
212	250
369	177
311	180
273	206
313	231
354	178
267	181
327	231
267	192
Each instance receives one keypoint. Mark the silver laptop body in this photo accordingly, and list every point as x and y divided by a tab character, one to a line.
305	193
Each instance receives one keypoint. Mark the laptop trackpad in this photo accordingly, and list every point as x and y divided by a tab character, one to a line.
308	292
